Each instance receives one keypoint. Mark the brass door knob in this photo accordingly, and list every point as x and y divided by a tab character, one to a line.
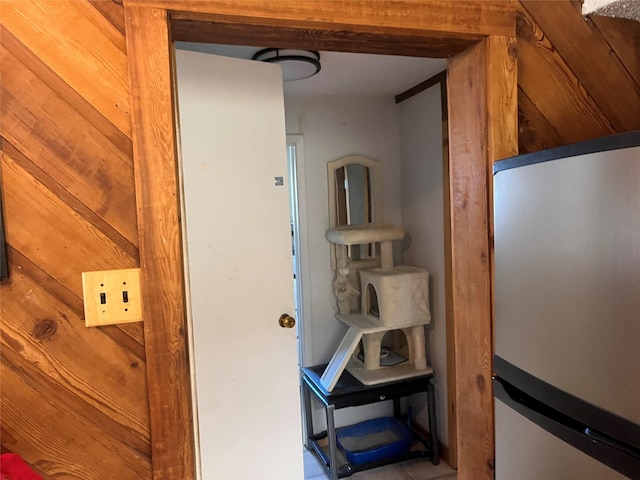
287	321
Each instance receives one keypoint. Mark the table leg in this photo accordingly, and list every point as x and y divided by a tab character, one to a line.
308	416
397	412
331	437
433	424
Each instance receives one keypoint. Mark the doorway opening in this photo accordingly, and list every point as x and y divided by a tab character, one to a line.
481	77
307	201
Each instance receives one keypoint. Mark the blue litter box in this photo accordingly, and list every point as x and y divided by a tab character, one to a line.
374	440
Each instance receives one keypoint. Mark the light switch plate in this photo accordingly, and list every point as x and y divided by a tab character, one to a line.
112	296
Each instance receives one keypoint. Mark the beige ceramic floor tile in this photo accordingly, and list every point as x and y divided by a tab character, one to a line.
313	468
388	472
425	470
419	469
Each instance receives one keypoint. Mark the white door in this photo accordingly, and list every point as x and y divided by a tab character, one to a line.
238	255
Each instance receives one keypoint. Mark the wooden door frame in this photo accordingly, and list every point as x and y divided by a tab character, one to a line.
482	102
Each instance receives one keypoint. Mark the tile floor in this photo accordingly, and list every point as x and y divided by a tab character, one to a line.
409	470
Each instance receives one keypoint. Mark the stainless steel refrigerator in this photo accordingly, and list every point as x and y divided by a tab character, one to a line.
567	312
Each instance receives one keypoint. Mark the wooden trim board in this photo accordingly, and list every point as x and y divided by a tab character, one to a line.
440	78
162	280
481	83
148	46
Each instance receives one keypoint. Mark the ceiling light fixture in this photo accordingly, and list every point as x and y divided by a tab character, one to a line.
296	64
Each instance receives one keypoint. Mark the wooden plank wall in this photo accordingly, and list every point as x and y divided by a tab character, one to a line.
578	78
74	400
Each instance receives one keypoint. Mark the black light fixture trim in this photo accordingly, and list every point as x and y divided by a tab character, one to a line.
272	55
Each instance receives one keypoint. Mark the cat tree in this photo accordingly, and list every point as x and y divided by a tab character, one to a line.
391	298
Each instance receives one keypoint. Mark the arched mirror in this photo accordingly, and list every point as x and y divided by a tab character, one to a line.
354	195
355	198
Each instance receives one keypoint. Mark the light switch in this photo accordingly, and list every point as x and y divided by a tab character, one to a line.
112	296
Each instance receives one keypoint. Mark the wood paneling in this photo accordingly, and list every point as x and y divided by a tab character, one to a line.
623	36
431	28
149	69
74	400
467	17
554	87
112	11
92	63
156	162
452	410
40	113
46	449
41	331
481	87
578	79
384	41
162	281
130	336
571	44
70	201
535	131
502	95
68	235
427	28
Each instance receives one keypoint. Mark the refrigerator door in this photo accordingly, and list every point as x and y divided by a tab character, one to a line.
612	440
567	275
525	451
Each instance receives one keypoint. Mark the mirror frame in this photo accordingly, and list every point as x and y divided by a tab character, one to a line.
375	176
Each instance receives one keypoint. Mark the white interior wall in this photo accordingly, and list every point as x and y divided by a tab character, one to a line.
334	127
422	209
397	136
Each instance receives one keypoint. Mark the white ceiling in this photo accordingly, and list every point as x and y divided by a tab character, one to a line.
346	73
613	8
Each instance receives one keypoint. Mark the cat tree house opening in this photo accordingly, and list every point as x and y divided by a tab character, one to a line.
401	295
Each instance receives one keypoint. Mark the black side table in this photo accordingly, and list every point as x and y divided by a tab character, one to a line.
350	392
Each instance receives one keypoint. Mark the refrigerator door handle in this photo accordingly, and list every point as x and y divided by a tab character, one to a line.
606	440
622	457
